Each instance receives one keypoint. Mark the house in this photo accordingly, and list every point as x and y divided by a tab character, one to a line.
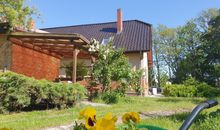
40	53
133	35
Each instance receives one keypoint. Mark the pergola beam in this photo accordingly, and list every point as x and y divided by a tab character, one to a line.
54	48
56	41
45	35
85	48
52	44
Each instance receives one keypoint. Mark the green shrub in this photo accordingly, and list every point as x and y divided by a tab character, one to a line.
191	88
203	89
191	81
18	92
121	89
179	90
134	81
110	97
13	95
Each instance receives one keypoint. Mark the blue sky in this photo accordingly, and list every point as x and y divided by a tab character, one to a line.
171	13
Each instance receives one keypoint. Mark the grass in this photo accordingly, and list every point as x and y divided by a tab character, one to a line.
205	121
37	119
48	118
209	119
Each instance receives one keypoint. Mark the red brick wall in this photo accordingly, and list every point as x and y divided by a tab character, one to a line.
33	63
150	59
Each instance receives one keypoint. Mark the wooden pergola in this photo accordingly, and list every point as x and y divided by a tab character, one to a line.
57	45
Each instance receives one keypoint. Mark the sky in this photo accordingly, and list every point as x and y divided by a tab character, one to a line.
172	13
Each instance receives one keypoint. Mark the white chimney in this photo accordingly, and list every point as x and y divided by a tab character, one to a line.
119	21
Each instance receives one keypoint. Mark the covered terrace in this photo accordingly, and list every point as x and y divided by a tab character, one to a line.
57	45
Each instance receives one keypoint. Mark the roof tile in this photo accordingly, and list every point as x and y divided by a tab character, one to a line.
135	36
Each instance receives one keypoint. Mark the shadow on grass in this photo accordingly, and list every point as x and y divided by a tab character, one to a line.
182	117
215	113
199	119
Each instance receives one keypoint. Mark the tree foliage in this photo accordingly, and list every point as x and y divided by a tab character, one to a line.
16	13
113	65
203	19
202	60
211	52
189	39
191	49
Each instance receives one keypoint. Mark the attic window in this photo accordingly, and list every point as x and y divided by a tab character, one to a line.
107	40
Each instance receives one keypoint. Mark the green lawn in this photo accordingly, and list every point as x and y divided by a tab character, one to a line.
207	120
42	119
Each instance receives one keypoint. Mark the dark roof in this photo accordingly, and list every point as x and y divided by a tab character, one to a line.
136	35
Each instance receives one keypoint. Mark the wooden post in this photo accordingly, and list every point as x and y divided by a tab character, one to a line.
92	63
93	59
75	53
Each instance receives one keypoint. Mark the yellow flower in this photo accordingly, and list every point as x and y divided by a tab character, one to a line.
90	124
134	116
106	123
89	114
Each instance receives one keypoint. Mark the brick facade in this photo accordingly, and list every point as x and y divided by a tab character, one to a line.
150	59
33	63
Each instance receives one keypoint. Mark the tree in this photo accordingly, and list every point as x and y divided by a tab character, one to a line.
156	56
203	19
166	50
211	51
184	51
16	13
111	65
201	49
188	37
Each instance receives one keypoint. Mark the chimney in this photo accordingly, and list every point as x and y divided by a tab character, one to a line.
119	21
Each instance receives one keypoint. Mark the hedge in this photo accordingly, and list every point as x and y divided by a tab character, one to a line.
191	88
18	92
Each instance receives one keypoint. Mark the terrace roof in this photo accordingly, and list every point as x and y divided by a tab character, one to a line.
59	45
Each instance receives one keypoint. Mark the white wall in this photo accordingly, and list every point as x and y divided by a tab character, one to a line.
140	61
134	60
144	66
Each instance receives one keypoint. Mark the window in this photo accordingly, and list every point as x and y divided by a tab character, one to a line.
106	40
